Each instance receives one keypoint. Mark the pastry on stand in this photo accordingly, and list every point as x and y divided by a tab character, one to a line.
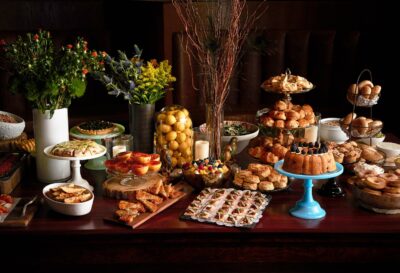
75	151
105	130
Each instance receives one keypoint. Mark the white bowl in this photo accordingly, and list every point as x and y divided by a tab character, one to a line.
332	133
75	209
389	148
373	141
243	140
11	130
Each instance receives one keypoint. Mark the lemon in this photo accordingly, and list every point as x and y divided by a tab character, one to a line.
165	128
187	153
170	119
174	161
173	145
180	116
181	161
188	123
171	136
161	140
161	117
181	138
179	126
188	132
186	112
182	147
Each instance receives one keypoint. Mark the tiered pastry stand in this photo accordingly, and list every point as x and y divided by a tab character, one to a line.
331	188
286	94
76	170
307	207
98	162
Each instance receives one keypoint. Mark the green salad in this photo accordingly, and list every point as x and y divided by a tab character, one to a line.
235	130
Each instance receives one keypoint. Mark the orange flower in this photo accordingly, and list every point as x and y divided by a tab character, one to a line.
69	46
84	71
94	54
36	37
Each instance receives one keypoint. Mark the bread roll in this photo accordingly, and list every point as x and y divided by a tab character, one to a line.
280	124
375	91
289	106
366	91
266	186
292	115
290	124
365	83
303	123
347	119
280	105
352	89
307	108
375	124
279	115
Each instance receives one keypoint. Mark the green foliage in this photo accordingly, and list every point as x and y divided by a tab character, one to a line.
138	82
49	78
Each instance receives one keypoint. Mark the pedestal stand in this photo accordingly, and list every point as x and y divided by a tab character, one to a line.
307	207
76	166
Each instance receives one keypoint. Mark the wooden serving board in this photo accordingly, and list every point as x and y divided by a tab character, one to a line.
181	186
14	219
114	189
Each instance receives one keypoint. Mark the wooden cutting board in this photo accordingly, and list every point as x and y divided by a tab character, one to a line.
14	219
115	189
181	186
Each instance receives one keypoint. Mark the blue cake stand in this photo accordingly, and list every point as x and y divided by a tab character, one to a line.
307	207
97	163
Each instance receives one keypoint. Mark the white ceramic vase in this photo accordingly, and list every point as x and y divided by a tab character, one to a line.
50	131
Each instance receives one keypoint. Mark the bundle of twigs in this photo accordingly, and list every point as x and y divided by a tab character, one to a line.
216	31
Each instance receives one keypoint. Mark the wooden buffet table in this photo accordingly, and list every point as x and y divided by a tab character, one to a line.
347	239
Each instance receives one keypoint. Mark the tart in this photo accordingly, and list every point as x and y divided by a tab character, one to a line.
96	127
77	148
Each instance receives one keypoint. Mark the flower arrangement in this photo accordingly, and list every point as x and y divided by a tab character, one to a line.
139	82
49	78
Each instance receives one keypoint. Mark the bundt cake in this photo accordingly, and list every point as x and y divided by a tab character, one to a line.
309	158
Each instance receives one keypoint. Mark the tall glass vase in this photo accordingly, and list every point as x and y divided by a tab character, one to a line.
141	126
215	128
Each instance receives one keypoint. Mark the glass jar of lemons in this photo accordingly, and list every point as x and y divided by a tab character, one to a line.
174	136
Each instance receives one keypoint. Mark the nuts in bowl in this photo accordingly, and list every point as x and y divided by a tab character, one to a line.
68	198
11	126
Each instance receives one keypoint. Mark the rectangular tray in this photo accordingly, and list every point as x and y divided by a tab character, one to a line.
210	221
182	186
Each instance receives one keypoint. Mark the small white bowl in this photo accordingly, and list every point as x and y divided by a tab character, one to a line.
11	130
75	209
373	141
389	148
332	132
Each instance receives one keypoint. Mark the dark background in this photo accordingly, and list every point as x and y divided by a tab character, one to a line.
111	25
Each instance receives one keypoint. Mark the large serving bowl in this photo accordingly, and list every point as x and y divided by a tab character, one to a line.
330	130
243	140
383	204
73	209
10	130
